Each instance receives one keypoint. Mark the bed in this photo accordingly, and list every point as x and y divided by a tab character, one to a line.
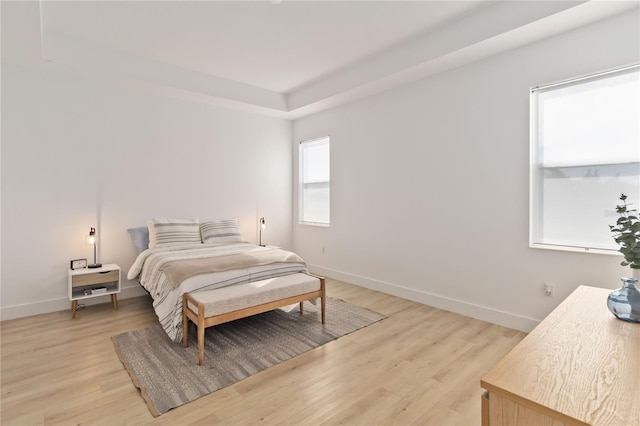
170	267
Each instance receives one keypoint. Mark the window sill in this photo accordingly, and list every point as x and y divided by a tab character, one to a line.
318	224
609	252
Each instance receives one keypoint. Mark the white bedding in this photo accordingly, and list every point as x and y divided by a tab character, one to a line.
167	302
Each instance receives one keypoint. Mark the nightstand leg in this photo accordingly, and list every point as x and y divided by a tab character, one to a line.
114	299
74	307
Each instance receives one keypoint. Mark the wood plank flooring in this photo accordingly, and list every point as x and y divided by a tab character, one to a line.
421	366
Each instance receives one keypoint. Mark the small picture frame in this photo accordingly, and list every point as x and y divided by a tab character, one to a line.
78	264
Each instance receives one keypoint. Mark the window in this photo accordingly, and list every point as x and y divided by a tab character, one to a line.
314	182
585	152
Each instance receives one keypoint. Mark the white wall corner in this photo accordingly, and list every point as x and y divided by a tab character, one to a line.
494	316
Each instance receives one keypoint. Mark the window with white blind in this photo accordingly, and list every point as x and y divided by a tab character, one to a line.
585	152
314	188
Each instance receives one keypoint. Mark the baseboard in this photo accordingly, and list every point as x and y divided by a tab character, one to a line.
483	313
61	304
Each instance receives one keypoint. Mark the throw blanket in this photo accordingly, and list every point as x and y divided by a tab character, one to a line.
178	271
165	273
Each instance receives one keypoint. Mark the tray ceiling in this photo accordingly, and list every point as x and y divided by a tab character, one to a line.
288	58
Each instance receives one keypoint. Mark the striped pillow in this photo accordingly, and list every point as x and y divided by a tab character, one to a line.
171	232
221	232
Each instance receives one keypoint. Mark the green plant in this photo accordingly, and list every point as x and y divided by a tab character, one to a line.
627	234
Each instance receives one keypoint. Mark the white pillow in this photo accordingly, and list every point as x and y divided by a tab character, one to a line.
221	231
171	232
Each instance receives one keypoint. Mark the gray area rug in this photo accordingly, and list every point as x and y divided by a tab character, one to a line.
168	374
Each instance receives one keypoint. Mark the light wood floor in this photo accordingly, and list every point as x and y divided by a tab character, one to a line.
421	365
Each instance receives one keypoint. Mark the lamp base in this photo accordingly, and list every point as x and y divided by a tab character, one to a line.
95	265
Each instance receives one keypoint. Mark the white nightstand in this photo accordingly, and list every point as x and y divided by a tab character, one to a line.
86	283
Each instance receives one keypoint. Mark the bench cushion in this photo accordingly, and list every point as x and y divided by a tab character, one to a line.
240	296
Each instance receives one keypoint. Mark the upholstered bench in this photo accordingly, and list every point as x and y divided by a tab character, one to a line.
213	307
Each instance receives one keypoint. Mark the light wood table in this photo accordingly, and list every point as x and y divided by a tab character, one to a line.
581	365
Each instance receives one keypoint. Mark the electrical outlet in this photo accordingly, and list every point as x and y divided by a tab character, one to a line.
548	289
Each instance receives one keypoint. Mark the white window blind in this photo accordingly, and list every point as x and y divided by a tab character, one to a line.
585	152
314	182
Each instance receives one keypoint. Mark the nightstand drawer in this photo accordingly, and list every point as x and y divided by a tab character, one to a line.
97	278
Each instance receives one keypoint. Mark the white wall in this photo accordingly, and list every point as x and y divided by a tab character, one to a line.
77	154
429	191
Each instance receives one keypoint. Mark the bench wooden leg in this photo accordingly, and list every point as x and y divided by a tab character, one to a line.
301	309
323	298
200	334
200	345
185	321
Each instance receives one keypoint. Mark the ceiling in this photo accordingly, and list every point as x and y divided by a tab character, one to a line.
285	59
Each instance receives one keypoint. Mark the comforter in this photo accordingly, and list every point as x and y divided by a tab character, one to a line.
167	273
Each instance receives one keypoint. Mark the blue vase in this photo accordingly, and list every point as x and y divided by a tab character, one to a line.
624	303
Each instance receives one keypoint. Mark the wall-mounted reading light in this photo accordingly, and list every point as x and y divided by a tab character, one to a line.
262	226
